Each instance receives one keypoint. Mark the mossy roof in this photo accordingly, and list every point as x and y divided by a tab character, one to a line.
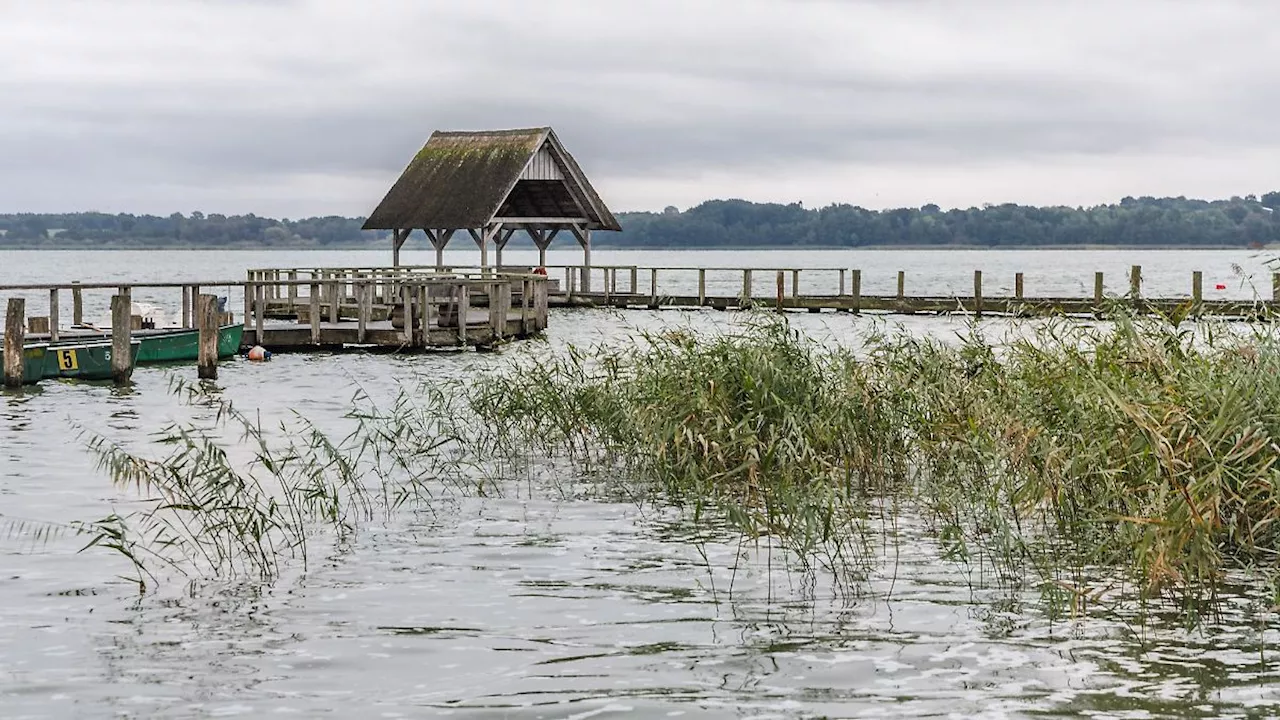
460	180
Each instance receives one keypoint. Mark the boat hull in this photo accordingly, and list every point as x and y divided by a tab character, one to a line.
83	361
181	345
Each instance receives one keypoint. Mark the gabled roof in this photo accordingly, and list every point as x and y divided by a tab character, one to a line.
462	179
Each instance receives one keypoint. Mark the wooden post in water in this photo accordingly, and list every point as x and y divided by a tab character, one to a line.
855	289
977	293
364	292
293	289
746	287
653	287
464	309
1275	287
702	287
186	306
207	344
635	280
1017	286
259	311
406	298
53	315
795	283
902	285
314	314
77	306
14	321
782	288
842	272
121	327
1097	294
248	304
1197	290
1135	282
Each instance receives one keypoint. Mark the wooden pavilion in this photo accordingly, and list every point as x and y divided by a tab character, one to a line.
493	184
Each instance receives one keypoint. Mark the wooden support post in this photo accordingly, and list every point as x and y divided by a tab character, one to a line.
121	355
207	344
248	302
635	280
195	299
653	287
842	283
782	289
464	309
1275	287
259	311
977	293
1017	286
53	315
314	300
795	283
77	306
186	306
613	280
1097	292
406	298
424	313
902	285
335	303
364	293
855	289
14	336
702	287
293	289
746	287
1135	282
1197	288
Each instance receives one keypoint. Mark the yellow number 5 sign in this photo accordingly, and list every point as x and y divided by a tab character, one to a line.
67	360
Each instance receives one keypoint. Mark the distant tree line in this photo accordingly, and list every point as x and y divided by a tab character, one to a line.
1145	221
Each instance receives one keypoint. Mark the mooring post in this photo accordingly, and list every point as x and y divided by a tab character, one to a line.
842	276
1275	287
902	285
702	287
464	309
314	314
746	287
121	333
855	289
782	288
1135	282
977	293
207	342
14	329
53	315
1197	288
1097	294
77	305
406	298
259	311
1017	286
248	303
365	294
795	283
186	306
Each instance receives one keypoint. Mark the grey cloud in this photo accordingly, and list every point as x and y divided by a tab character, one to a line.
220	100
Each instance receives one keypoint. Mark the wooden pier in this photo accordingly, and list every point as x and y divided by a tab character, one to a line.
395	311
788	289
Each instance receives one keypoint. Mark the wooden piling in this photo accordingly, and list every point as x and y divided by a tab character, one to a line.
406	299
746	287
363	291
464	309
1135	282
977	293
842	283
314	314
77	306
782	289
1097	291
702	287
855	289
1017	286
259	311
635	280
902	285
121	333
248	301
1197	288
14	320
653	287
186	306
206	317
38	325
54	308
795	283
1275	287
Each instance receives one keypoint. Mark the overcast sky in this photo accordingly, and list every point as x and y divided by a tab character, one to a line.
313	107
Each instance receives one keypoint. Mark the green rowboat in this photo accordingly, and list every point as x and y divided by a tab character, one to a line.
85	361
184	344
33	359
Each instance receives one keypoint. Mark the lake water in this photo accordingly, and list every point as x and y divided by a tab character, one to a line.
534	605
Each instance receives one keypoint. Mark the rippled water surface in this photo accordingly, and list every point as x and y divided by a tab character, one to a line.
534	604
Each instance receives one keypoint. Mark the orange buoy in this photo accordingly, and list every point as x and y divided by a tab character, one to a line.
257	353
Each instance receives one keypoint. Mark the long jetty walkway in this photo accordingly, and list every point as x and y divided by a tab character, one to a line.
797	289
